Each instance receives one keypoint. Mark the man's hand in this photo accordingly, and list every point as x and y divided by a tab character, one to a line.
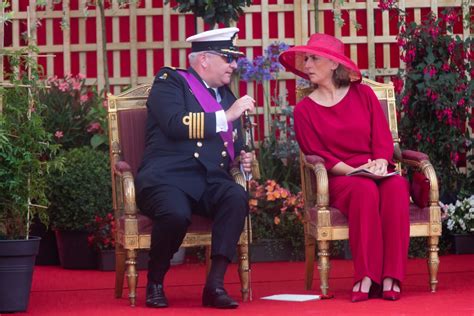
245	103
246	161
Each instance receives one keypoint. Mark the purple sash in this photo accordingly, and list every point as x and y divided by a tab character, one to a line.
209	104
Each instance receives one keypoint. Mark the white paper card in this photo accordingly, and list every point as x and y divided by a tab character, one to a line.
292	297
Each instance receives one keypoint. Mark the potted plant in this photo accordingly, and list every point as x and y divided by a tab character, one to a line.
102	240
277	228
79	193
26	156
459	218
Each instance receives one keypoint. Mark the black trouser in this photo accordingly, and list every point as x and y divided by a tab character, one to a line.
170	208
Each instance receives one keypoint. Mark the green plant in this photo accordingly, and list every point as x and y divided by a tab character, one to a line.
213	12
26	150
436	96
278	156
102	236
82	191
276	211
277	214
278	153
73	113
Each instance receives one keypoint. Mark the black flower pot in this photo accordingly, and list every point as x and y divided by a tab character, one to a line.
463	243
17	260
48	250
74	251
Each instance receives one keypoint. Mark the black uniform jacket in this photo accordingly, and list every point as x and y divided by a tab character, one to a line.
182	147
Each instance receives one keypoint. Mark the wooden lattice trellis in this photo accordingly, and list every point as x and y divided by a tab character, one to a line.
142	38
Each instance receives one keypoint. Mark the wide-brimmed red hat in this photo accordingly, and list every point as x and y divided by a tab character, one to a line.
321	45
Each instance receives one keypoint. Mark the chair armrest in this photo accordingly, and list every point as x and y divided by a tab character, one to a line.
412	157
421	162
125	188
315	180
121	167
313	159
315	187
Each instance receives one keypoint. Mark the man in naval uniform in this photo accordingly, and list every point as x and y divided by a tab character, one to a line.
187	159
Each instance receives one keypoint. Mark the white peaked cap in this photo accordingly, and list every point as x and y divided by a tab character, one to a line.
221	40
223	34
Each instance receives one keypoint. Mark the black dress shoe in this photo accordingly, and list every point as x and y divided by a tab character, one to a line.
217	298
155	296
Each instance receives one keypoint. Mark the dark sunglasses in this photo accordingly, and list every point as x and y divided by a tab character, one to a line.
229	58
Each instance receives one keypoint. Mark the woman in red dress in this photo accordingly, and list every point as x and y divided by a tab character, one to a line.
342	121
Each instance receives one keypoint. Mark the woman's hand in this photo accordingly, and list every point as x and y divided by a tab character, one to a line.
377	166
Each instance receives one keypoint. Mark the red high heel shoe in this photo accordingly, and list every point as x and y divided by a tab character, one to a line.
359	296
392	295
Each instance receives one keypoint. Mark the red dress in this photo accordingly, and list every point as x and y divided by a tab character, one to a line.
353	131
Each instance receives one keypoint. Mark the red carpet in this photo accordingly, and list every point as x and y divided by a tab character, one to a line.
89	293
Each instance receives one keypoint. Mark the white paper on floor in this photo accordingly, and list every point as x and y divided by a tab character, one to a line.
292	297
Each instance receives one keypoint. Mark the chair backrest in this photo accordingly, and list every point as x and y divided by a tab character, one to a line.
385	92
127	115
127	121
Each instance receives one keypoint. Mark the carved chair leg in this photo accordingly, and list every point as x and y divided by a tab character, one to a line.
310	249
132	275
244	272
119	270
433	261
323	266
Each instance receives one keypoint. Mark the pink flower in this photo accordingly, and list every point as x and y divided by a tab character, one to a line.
445	67
83	98
410	55
434	31
385	4
430	70
59	134
454	157
52	81
447	115
397	84
94	127
63	86
451	47
460	88
461	102
405	99
431	94
81	76
401	41
451	18
76	84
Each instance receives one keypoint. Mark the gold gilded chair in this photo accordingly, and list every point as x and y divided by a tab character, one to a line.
127	115
323	223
